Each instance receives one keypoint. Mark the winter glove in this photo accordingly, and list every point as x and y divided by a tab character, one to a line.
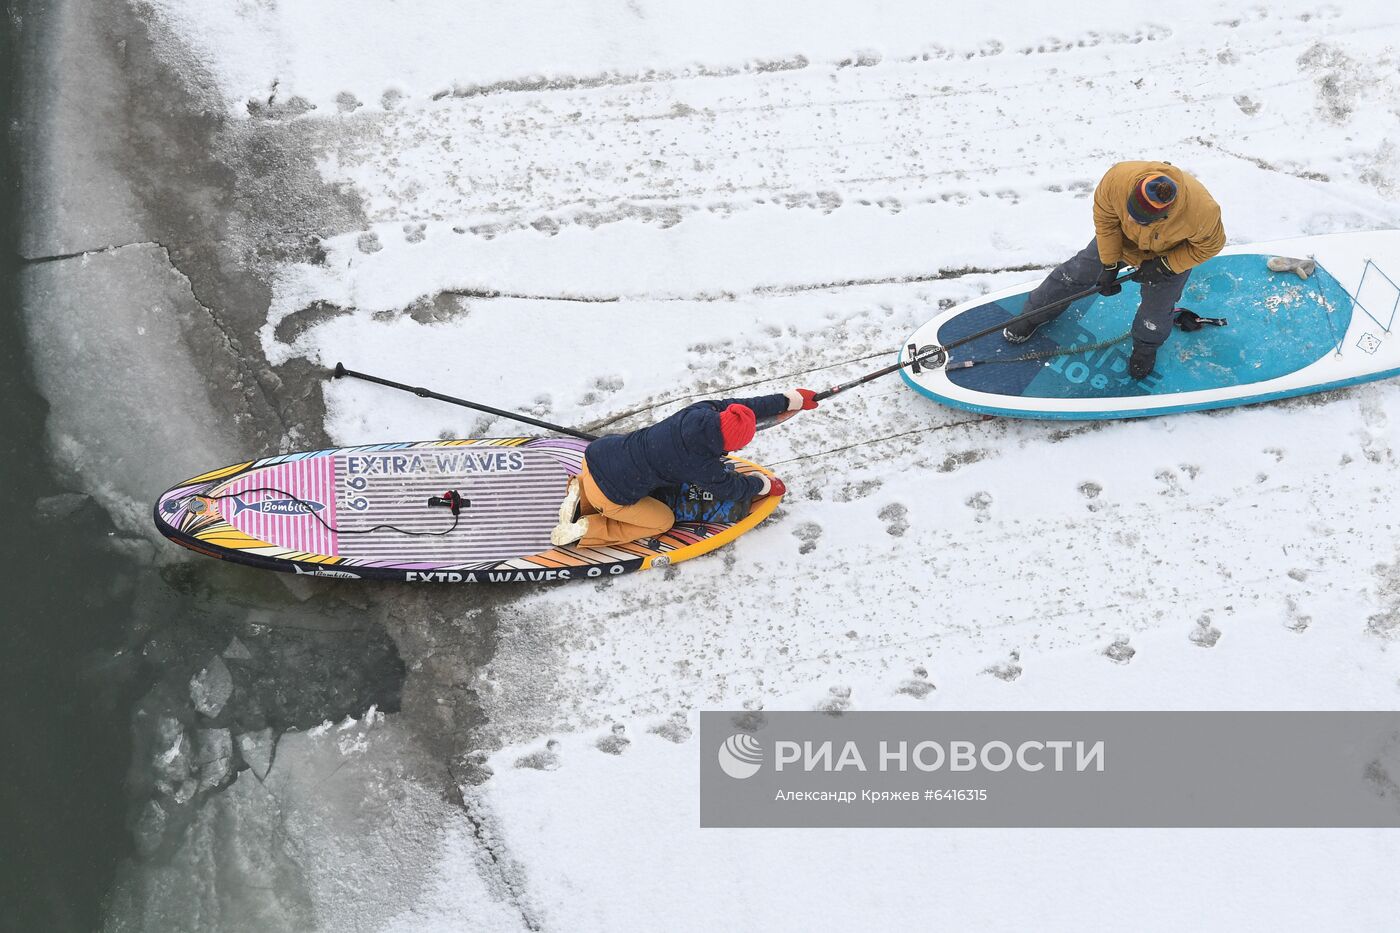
1106	284
772	486
1153	271
801	399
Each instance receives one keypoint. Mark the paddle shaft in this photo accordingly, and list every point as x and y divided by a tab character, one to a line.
421	392
341	370
936	350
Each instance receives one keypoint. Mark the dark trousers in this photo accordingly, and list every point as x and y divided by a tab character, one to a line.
1153	324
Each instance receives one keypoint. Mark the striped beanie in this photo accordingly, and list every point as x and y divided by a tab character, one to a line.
1151	198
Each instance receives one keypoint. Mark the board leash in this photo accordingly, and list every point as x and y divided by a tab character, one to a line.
452	499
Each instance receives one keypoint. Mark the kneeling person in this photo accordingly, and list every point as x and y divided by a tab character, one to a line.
611	503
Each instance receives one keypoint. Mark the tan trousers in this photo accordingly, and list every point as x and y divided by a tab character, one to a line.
610	523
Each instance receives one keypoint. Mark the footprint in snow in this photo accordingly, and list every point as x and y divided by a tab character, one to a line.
546	759
602	386
837	702
918	686
981	503
1206	635
807	533
896	519
415	232
1248	105
1169	479
960	459
1120	652
675	729
1091	491
368	243
1007	670
615	743
860	490
546	225
1297	621
752	719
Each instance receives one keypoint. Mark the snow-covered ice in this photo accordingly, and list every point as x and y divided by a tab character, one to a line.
597	212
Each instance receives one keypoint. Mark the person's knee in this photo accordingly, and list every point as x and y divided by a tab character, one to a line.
1152	332
1153	323
1078	272
653	514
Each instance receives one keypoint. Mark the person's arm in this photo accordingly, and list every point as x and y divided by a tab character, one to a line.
1108	225
1202	245
725	483
764	406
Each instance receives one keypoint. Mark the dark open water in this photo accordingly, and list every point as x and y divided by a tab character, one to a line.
64	693
100	633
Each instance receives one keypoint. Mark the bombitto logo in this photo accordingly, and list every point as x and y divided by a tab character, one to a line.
741	756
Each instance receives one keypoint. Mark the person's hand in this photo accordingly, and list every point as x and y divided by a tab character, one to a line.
1153	271
801	399
1106	284
772	486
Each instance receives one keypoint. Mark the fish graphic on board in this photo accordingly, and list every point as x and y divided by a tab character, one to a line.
276	506
321	572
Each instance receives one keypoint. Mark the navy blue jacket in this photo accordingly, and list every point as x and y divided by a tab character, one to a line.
684	448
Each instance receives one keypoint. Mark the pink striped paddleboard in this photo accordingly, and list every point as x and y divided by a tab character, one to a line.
382	512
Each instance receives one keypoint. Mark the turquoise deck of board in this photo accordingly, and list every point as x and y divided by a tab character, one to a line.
1278	324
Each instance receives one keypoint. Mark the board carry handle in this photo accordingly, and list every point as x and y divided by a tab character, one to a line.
452	499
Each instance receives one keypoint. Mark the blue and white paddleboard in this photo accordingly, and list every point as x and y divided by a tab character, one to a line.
1286	336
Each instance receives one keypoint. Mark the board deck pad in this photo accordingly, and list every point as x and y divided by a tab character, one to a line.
1277	325
323	513
1285	336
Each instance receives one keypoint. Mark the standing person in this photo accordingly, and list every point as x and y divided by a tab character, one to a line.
610	502
1151	215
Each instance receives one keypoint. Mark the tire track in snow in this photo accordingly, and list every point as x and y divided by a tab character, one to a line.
682	160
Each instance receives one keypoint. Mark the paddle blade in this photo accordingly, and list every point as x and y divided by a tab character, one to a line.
763	424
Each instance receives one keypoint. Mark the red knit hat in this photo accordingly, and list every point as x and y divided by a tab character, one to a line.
736	426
